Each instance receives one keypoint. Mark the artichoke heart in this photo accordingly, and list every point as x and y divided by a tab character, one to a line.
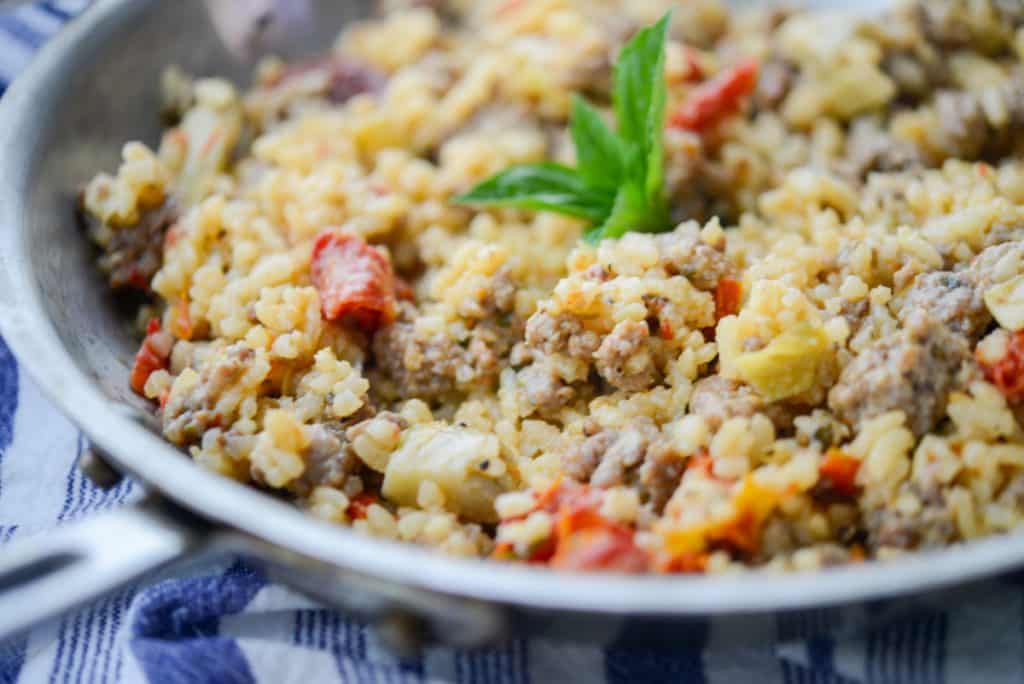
465	465
788	365
1006	303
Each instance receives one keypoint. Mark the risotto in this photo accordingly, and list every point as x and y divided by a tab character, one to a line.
820	361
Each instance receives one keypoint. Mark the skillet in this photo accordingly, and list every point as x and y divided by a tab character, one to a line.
94	87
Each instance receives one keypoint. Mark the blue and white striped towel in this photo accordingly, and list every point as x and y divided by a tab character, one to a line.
225	623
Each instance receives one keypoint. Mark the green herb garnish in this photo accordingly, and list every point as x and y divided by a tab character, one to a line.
618	184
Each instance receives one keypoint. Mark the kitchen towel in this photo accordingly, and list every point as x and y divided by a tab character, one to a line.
224	622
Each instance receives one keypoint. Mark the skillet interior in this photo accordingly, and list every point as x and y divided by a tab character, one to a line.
97	87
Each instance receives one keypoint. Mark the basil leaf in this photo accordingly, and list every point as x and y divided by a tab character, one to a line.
619	183
541	187
625	215
655	120
632	213
599	152
640	90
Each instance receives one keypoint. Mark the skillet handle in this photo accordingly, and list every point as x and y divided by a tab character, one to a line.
54	572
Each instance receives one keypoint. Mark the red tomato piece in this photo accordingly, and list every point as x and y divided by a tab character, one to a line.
542	552
684	563
360	504
1007	373
716	99
582	539
840	470
568	495
153	355
608	547
585	540
728	297
743	533
181	322
354	280
504	550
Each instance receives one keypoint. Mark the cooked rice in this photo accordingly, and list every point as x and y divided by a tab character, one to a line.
851	197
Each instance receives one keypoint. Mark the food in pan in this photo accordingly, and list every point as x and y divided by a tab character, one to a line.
602	286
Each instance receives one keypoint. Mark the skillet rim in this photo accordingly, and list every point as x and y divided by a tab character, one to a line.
33	338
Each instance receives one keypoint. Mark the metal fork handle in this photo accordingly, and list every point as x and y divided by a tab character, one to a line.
47	575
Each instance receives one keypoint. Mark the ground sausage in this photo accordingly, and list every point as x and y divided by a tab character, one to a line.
135	253
635	455
963	123
343	77
582	459
956	299
947	298
548	335
625	452
932	525
421	367
561	334
186	418
986	26
544	388
625	360
912	370
984	271
683	252
428	366
917	71
774	83
660	474
967	131
329	461
717	399
496	299
869	149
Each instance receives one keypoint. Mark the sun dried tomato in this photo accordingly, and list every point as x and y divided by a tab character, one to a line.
728	297
582	539
360	504
181	323
684	563
354	280
153	355
607	546
716	99
585	540
839	470
1007	373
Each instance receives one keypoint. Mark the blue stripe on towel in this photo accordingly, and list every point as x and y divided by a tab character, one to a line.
8	395
175	634
14	26
909	650
54	10
682	663
12	659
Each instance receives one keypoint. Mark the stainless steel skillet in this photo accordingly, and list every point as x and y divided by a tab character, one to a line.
89	91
